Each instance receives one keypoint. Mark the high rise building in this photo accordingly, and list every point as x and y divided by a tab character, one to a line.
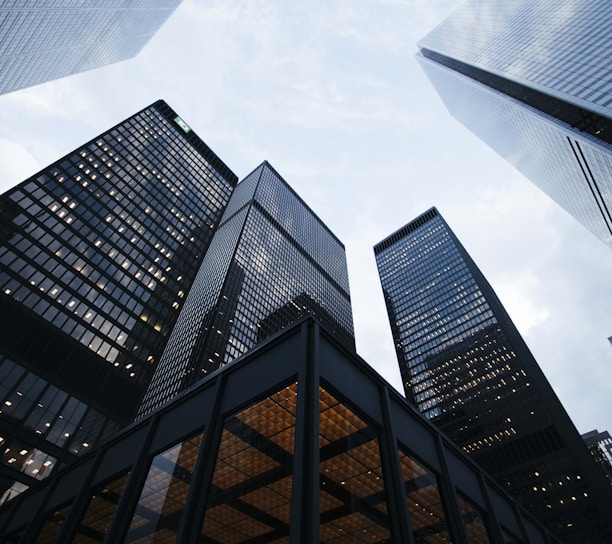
298	441
48	39
600	446
533	81
97	254
465	367
271	261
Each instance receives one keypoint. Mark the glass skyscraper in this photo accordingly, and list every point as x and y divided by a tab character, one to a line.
48	39
97	254
533	81
271	261
467	369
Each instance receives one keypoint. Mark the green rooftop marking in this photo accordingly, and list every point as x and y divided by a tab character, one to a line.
182	124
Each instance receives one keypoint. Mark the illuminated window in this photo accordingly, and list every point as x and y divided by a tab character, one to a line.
100	510
52	525
251	488
164	494
424	504
353	506
474	521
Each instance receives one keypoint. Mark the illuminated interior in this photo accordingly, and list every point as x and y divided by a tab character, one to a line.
251	487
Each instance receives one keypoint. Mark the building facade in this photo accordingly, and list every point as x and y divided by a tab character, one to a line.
271	261
97	254
50	39
600	446
297	441
532	80
467	369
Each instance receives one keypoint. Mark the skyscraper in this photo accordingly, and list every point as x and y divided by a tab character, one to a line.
467	369
271	261
600	446
533	81
97	254
48	39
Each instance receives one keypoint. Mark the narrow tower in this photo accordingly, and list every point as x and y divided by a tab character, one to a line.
271	261
465	366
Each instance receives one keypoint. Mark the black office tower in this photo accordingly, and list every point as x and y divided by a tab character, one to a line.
533	81
467	369
271	261
97	254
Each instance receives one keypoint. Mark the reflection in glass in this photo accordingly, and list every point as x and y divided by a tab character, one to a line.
100	511
474	522
251	488
164	494
424	503
52	525
353	506
509	538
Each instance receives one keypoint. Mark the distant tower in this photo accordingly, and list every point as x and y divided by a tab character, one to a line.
467	369
97	254
48	39
271	261
533	81
600	446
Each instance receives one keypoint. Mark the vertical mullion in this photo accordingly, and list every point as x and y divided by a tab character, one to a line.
304	521
394	479
195	508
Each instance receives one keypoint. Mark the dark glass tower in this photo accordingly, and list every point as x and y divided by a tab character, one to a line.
97	254
533	81
600	446
467	369
48	39
271	261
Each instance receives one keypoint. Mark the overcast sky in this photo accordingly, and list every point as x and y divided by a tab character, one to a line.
331	94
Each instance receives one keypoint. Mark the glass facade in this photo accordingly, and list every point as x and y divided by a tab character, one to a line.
525	74
600	446
57	38
318	449
97	254
466	368
271	261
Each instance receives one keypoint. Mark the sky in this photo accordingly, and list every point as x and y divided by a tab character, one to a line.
331	95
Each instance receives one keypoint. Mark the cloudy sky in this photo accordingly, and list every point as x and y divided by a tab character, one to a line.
331	94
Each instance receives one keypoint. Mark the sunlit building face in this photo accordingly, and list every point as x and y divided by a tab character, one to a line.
532	80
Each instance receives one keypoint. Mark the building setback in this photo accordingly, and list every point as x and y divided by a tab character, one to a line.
97	254
533	81
49	39
297	441
271	261
467	369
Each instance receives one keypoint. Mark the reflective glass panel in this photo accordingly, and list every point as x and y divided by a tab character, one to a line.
100	511
250	494
474	522
164	494
509	538
424	504
52	525
15	537
353	505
